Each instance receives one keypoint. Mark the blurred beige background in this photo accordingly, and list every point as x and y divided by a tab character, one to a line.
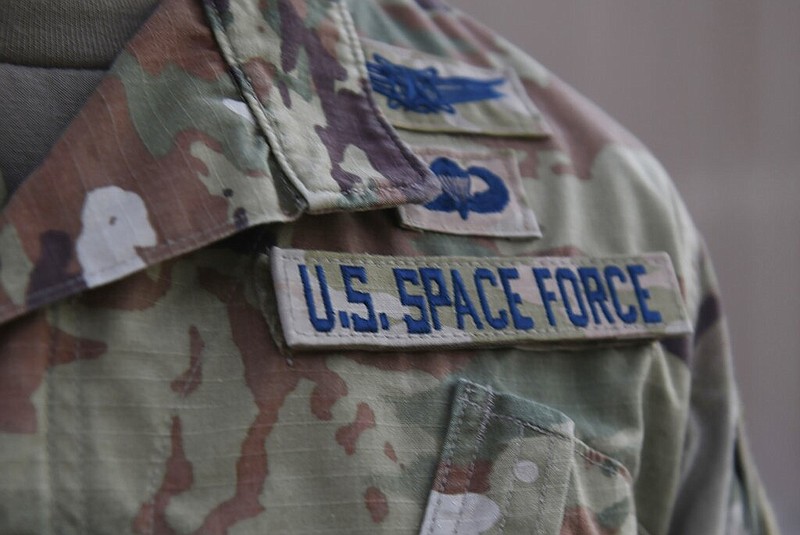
713	88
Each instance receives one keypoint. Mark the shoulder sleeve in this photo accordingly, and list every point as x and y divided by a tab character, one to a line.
719	490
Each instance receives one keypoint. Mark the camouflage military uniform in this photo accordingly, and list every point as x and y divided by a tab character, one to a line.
280	274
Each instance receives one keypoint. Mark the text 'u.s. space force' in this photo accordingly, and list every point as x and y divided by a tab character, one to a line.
478	298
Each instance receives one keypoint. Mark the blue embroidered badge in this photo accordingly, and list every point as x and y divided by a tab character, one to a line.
457	189
423	90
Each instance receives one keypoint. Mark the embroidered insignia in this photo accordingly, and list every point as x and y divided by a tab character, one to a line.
424	90
330	300
457	188
482	194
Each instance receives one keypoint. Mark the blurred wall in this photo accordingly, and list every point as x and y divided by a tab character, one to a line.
713	88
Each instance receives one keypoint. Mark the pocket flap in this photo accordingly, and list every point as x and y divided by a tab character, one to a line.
511	465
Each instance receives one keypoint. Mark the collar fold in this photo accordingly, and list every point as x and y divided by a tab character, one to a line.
199	132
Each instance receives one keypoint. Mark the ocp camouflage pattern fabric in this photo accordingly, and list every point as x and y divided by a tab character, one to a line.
145	383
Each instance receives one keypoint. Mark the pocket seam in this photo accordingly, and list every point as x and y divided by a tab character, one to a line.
485	417
510	491
546	484
486	409
579	448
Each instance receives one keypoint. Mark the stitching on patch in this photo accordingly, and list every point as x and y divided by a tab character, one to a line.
579	448
447	455
546	482
510	491
528	425
485	416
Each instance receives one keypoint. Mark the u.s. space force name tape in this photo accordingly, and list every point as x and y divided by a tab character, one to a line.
334	300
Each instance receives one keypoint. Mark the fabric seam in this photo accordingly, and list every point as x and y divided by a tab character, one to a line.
510	491
446	454
546	482
485	417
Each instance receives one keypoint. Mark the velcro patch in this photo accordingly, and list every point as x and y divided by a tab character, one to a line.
481	195
335	300
419	91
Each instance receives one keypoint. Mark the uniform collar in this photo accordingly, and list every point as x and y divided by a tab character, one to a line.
214	118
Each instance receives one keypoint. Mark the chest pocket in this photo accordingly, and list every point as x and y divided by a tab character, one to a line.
510	465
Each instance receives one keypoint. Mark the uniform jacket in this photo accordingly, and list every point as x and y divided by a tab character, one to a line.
319	266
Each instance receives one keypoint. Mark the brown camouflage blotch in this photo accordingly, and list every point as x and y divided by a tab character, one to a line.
347	436
566	250
190	44
458	479
388	450
481	35
135	292
413	20
468	45
270	380
526	151
609	468
193	376
262	73
369	133
561	169
301	7
178	478
27	349
439	365
52	267
377	504
582	521
365	232
104	126
329	36
579	129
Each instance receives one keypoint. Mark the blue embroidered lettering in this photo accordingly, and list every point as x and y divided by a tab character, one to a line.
611	273
521	321
344	319
462	302
642	294
595	293
501	321
414	325
541	275
360	324
437	299
578	320
325	324
333	300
